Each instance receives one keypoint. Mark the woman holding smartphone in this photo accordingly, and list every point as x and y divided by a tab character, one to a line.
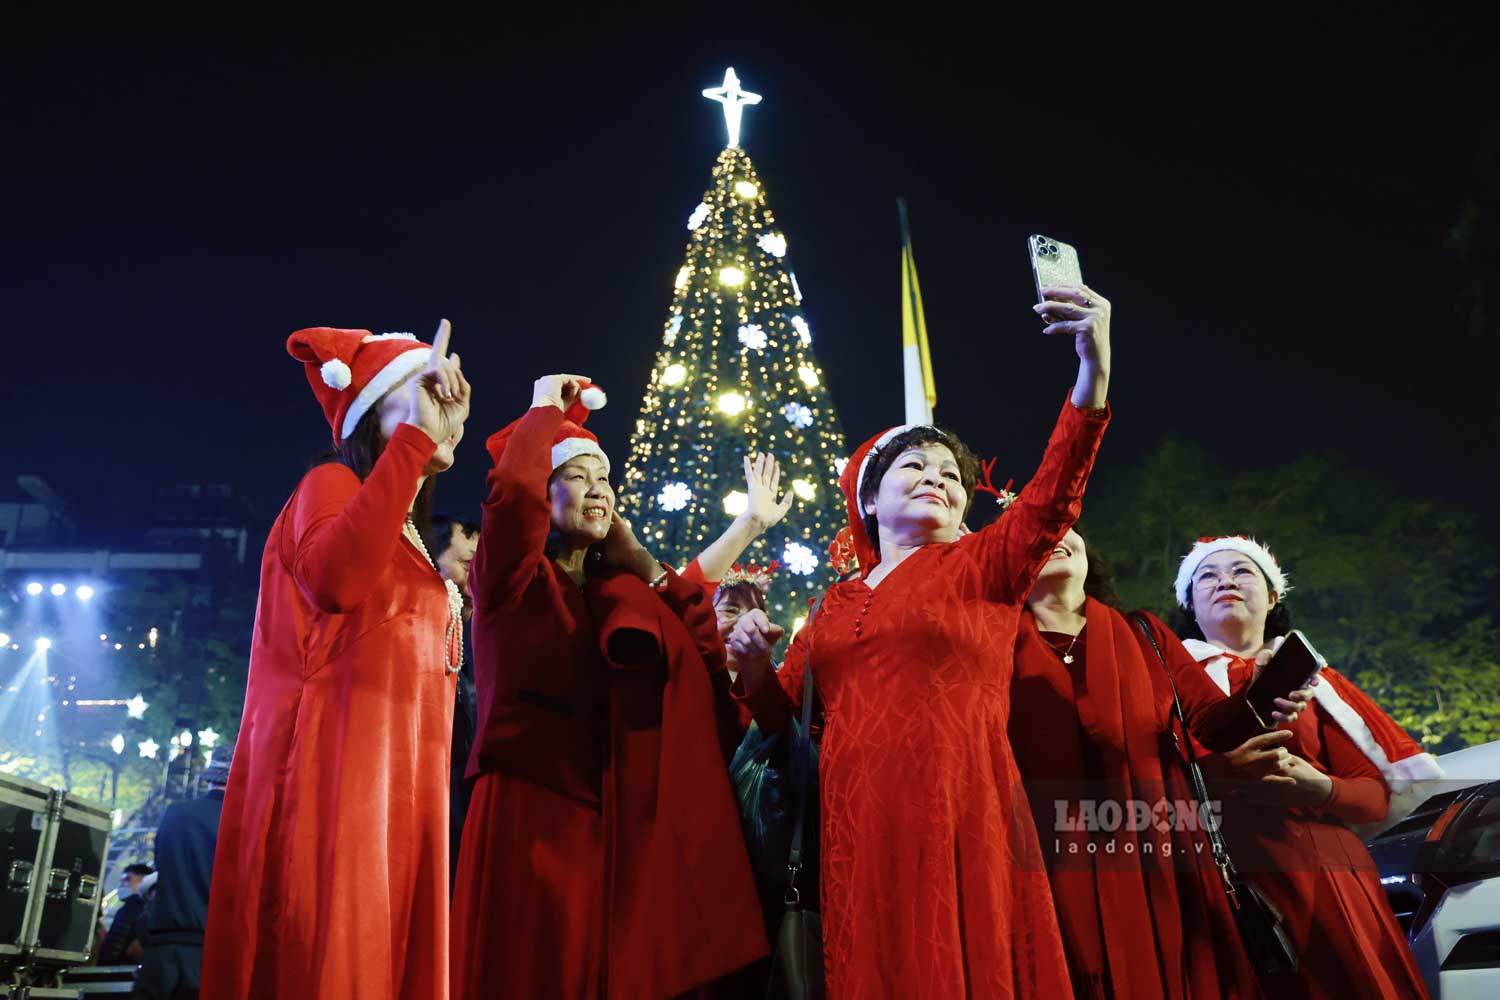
1288	830
931	877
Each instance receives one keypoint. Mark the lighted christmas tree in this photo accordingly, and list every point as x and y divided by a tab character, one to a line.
736	374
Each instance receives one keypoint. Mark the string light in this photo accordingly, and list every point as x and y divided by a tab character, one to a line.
732	277
732	403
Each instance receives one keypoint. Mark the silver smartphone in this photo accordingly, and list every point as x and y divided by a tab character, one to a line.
1053	262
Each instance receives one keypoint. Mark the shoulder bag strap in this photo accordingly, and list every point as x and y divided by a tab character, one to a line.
804	740
1195	773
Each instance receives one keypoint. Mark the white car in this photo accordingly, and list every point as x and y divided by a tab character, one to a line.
1455	930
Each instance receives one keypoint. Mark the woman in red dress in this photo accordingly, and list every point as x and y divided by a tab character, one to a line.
932	881
1143	911
331	872
602	855
1347	764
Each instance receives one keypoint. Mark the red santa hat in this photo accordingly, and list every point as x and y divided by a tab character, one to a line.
571	439
349	370
1245	546
853	476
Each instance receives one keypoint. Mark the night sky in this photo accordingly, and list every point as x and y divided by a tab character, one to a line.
1263	198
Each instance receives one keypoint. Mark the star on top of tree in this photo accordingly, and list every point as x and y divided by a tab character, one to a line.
734	100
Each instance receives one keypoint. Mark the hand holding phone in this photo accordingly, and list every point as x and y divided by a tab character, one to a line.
1291	668
1052	263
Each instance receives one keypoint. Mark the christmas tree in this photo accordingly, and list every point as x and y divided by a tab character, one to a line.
736	374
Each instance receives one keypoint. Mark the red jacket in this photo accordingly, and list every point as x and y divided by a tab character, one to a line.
603	851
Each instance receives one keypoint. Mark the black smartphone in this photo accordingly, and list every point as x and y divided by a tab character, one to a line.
1290	668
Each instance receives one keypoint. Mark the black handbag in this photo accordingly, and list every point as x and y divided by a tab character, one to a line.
1256	918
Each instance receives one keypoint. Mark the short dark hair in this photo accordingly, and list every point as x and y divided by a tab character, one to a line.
747	593
139	869
882	458
440	535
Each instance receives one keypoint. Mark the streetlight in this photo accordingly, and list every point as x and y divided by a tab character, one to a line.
84	592
33	588
43	644
59	589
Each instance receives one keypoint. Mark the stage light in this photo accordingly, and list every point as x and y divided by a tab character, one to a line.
119	646
4	639
118	743
59	589
33	588
84	592
152	636
43	644
103	637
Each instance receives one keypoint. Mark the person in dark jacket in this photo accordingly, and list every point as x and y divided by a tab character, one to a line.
122	927
179	911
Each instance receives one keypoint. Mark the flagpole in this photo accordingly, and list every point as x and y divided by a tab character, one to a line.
920	390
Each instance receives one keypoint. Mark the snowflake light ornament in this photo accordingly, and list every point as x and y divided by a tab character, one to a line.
796	290
839	464
798	415
674	496
773	244
803	331
799	558
673	328
753	337
699	216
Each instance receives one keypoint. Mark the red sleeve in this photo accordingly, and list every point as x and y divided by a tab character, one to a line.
773	704
516	517
1012	550
344	532
690	602
694	574
1360	794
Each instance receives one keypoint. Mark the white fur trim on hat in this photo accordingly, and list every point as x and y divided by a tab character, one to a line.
864	465
1247	547
593	398
336	374
370	338
570	448
384	381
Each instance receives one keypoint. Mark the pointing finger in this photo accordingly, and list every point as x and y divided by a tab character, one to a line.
440	344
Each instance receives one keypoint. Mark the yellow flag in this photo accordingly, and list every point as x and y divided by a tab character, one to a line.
921	389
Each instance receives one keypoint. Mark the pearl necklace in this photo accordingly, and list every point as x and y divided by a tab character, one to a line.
451	663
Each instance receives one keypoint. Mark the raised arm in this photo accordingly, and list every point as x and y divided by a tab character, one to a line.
762	512
515	517
344	532
1011	551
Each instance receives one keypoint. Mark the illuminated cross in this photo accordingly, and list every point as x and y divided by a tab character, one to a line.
734	100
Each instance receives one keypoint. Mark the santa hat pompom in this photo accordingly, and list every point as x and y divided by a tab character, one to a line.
593	398
336	374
